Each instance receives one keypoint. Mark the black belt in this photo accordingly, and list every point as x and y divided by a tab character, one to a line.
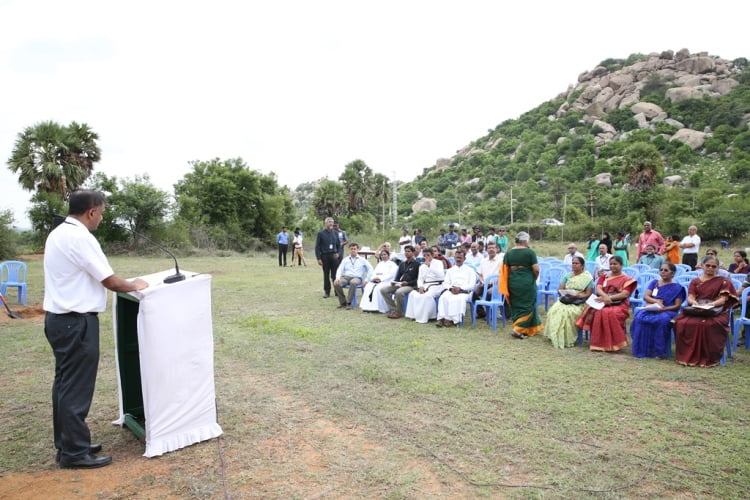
77	315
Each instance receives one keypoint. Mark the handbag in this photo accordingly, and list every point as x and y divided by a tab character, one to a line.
564	299
703	312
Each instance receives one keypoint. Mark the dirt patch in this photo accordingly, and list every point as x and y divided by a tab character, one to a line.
33	312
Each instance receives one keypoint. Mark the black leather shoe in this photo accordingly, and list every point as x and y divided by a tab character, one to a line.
90	461
326	295
93	448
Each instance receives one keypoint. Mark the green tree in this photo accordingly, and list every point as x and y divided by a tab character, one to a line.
7	235
329	200
357	181
52	158
232	202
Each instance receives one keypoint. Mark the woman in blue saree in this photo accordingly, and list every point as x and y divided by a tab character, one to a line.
651	327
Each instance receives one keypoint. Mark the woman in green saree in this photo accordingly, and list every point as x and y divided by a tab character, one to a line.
518	284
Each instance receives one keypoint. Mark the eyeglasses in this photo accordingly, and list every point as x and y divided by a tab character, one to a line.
710	265
665	270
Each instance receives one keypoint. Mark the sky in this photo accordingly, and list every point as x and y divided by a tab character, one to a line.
301	88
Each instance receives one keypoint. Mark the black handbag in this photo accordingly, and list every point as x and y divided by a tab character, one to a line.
703	312
565	299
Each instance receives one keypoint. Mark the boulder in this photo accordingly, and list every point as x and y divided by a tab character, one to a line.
677	94
672	180
424	205
692	138
697	65
650	110
603	179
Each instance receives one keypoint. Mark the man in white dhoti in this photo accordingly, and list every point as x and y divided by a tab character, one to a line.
421	305
458	287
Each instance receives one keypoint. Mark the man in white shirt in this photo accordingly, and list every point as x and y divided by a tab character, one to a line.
76	278
474	258
602	261
572	252
691	245
489	266
458	287
353	271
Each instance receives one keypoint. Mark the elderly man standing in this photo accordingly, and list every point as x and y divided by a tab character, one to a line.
458	288
572	252
327	250
353	271
691	245
650	237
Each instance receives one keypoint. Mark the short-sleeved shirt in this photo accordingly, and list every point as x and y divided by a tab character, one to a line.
74	268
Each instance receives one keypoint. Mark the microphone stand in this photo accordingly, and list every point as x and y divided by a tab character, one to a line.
174	278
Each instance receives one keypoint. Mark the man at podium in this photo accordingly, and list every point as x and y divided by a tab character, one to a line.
76	278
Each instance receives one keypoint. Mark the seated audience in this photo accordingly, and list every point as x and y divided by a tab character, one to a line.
382	275
442	258
650	258
458	287
490	265
740	265
421	305
606	320
561	327
651	328
602	261
700	340
474	257
353	271
402	284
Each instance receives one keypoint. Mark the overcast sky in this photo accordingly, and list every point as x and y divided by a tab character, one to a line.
301	88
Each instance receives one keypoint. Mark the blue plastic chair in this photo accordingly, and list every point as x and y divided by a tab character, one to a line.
354	297
642	268
740	277
743	320
682	269
591	268
13	274
637	297
494	306
554	277
631	271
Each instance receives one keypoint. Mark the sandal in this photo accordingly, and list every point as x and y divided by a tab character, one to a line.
519	335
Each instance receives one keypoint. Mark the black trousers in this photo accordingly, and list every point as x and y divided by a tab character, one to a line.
75	344
330	265
283	249
690	259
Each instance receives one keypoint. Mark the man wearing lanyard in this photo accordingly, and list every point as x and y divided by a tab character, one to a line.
327	250
353	271
76	278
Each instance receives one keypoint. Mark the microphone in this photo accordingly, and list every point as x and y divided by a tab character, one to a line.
177	276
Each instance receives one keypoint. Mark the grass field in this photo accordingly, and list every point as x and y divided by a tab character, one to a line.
320	402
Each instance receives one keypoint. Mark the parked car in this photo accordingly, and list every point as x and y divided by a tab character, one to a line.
552	222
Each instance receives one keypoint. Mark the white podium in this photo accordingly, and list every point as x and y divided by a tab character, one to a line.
164	352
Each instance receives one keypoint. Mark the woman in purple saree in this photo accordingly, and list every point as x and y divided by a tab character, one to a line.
651	327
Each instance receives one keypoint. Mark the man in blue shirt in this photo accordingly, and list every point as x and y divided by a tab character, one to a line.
353	271
283	241
451	241
650	258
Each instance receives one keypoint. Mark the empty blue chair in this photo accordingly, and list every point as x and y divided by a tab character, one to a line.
631	271
682	269
554	277
642	268
591	268
637	298
13	275
494	306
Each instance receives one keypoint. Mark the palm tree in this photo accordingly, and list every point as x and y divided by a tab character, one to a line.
52	158
642	164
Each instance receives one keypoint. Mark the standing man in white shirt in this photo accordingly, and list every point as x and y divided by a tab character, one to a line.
691	245
76	278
